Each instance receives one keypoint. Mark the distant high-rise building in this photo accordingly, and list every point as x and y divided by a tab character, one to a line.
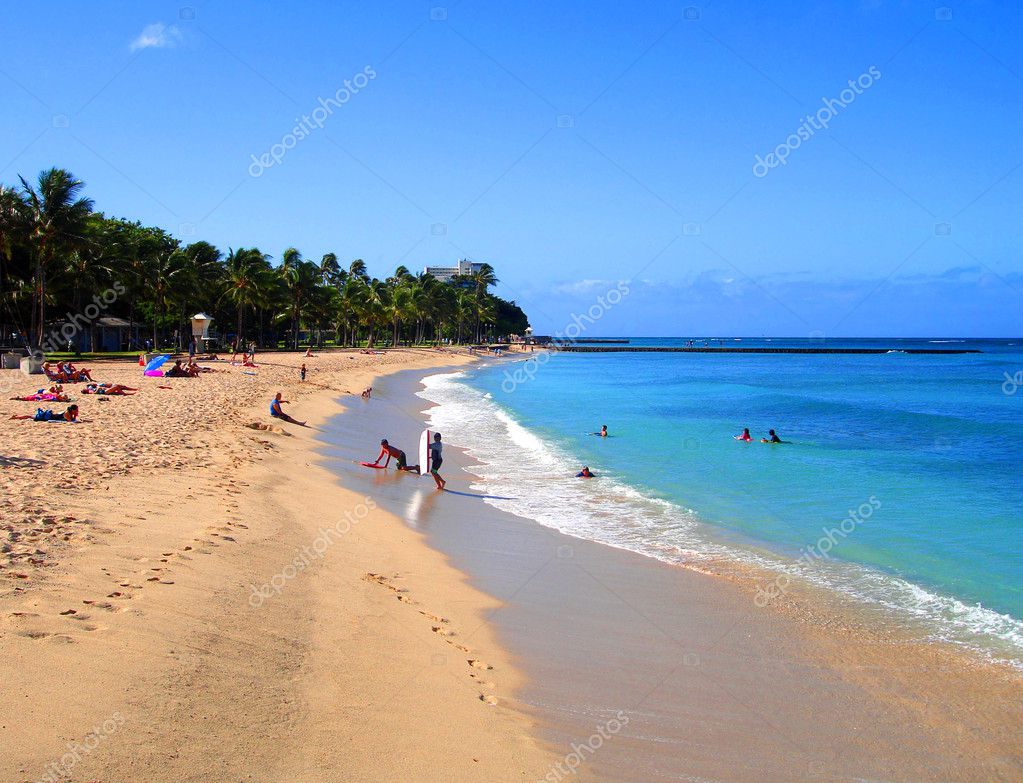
445	273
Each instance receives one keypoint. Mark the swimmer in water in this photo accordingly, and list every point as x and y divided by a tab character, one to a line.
772	437
585	473
745	437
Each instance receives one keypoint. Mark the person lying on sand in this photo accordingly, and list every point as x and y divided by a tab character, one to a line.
585	473
115	389
386	449
71	414
278	413
771	438
41	396
745	437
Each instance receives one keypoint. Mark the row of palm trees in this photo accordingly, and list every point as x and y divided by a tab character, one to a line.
57	254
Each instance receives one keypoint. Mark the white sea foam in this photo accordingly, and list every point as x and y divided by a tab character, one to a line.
535	479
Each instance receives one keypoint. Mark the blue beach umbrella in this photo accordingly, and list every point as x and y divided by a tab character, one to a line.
156	363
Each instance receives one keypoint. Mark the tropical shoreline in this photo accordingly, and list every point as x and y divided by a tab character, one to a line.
557	626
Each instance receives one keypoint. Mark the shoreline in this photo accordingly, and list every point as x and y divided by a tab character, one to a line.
144	615
848	672
772	573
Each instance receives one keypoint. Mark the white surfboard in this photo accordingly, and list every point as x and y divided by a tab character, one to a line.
425	453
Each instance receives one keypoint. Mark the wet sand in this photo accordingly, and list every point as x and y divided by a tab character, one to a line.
640	671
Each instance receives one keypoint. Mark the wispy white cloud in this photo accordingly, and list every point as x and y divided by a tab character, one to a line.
157	36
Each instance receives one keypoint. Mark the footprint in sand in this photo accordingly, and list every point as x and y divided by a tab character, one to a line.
442	631
476	663
487	698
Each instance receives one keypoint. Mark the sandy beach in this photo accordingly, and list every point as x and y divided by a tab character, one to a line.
190	594
187	598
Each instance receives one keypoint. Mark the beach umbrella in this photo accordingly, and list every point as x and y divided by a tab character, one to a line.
156	363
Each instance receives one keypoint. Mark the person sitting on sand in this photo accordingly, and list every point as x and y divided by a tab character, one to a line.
248	361
177	371
367	392
115	389
771	438
54	373
386	449
309	352
75	375
71	414
745	437
278	413
585	473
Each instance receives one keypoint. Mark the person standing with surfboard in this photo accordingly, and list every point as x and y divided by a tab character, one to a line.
436	460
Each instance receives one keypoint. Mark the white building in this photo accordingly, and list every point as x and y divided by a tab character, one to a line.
445	273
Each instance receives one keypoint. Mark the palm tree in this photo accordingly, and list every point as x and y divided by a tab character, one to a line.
245	283
358	269
300	279
164	269
56	219
330	270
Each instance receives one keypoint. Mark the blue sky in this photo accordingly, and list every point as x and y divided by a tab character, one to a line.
572	145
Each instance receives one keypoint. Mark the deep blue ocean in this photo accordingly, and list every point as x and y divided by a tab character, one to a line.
899	483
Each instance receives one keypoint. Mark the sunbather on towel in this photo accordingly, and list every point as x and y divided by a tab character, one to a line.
71	414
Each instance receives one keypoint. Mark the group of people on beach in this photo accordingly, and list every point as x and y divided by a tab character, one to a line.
65	372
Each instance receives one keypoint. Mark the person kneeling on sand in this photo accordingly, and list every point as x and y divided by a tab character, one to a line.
278	413
386	449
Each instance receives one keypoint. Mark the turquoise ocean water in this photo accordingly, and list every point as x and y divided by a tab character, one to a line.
900	485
